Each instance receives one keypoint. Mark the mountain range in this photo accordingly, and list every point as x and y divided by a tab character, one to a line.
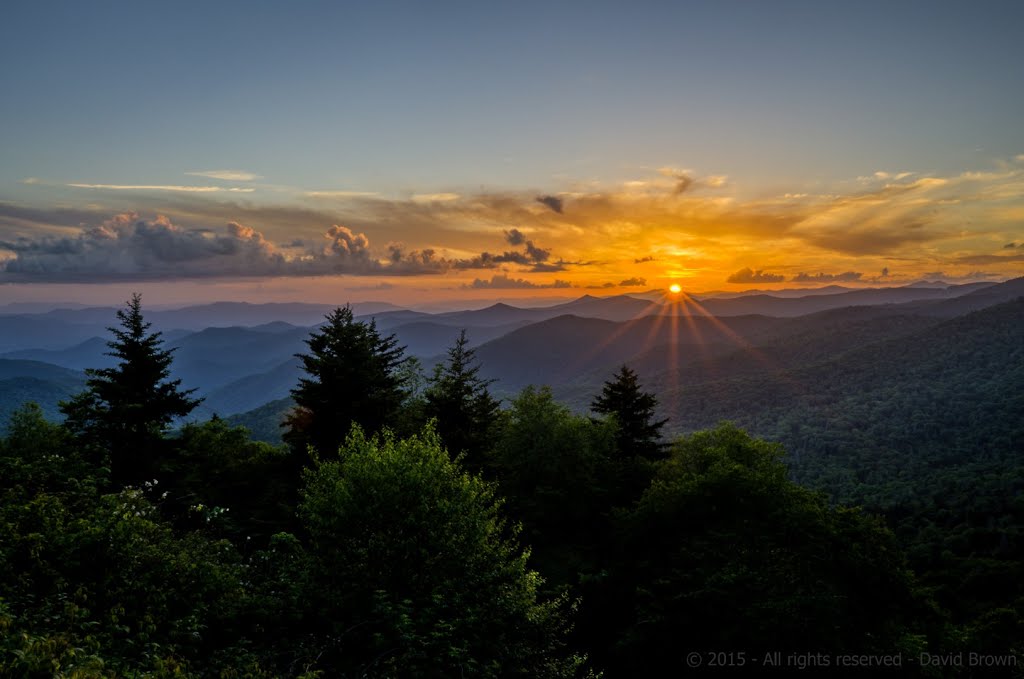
679	345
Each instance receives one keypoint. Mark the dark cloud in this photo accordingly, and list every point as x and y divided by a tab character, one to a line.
535	253
504	282
515	237
846	277
129	247
990	259
748	275
534	256
683	181
552	202
648	258
632	282
548	267
885	272
1010	246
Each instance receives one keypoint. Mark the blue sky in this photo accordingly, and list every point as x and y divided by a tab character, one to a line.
408	99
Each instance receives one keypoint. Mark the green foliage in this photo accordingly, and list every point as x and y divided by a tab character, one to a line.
394	561
352	377
725	552
555	468
416	572
458	399
126	409
247	488
111	587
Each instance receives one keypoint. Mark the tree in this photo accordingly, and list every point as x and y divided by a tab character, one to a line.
417	573
458	398
554	469
639	433
125	410
723	550
353	376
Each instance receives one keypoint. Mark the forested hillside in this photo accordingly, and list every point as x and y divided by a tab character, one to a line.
413	525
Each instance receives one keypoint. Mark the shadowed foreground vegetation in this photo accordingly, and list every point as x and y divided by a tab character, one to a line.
411	527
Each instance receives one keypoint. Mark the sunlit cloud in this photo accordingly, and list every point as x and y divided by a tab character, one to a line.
666	223
434	197
162	187
226	175
31	180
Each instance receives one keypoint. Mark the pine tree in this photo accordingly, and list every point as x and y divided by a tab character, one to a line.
639	433
353	376
126	410
458	398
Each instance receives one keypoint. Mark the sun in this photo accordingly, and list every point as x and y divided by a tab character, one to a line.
675	288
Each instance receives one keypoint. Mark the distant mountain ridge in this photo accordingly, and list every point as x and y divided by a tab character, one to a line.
572	345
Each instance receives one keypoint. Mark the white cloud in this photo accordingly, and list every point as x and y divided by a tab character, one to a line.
160	187
226	175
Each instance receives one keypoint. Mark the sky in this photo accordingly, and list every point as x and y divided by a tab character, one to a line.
411	151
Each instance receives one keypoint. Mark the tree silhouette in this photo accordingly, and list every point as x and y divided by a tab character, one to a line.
353	376
459	399
639	433
125	410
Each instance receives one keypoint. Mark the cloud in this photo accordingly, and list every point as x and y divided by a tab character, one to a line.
1009	246
535	253
31	180
552	202
340	194
434	197
129	247
346	245
846	277
683	180
966	278
515	237
161	187
989	259
747	275
226	175
921	221
633	282
504	282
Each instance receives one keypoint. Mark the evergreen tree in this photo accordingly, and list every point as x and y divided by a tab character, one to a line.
125	411
353	376
639	433
458	398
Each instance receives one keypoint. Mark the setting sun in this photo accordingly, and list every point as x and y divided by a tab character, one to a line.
675	288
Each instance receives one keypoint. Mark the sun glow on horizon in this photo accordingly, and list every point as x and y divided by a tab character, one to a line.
675	288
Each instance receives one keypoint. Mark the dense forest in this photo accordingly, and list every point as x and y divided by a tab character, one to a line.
412	524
